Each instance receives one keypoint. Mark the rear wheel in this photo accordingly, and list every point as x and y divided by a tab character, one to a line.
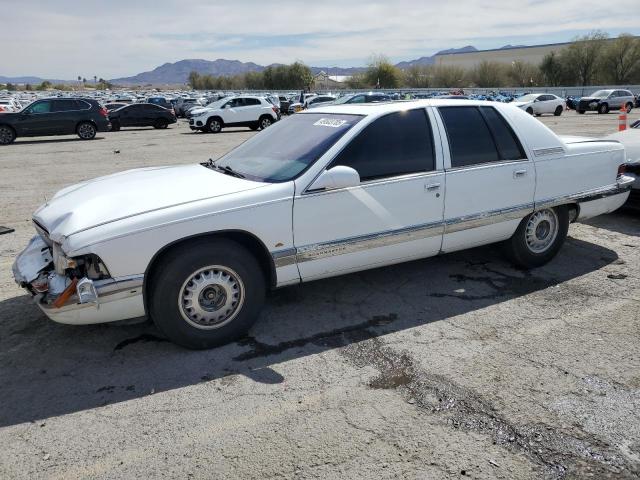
206	293
265	121
604	108
628	107
539	237
86	131
558	111
7	135
115	126
581	112
214	125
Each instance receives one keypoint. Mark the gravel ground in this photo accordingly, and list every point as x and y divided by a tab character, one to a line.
451	367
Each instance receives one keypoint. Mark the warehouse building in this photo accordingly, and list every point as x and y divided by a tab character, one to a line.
533	54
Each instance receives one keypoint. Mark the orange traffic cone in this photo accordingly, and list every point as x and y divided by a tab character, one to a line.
622	119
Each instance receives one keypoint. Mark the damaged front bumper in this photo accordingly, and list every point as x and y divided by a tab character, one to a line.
77	301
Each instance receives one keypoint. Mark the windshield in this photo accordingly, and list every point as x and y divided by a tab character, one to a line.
344	99
527	98
601	94
217	103
287	148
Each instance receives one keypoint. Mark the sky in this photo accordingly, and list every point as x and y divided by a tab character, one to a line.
62	39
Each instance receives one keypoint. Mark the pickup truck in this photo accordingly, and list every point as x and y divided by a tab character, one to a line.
326	192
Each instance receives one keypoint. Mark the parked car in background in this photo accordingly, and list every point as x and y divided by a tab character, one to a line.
540	104
183	104
9	105
162	101
285	102
604	101
241	111
141	115
330	191
371	97
55	116
320	100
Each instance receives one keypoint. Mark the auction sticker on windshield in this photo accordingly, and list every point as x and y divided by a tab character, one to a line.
330	122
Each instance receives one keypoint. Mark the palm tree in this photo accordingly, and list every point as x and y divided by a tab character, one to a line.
95	79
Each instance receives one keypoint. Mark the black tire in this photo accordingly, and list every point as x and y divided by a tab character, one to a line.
581	112
115	126
265	122
558	111
604	108
628	107
7	135
530	111
214	125
169	285
86	131
161	123
254	126
518	248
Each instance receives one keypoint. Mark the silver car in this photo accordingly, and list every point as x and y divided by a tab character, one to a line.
603	101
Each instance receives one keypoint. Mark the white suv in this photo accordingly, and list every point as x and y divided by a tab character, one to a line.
240	111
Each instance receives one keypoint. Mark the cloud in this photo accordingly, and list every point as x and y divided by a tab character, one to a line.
65	38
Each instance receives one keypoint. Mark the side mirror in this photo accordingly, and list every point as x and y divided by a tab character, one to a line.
336	177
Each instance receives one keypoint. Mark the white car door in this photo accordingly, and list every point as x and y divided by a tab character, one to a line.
231	112
395	214
490	181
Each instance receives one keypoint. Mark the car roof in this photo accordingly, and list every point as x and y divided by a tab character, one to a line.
395	106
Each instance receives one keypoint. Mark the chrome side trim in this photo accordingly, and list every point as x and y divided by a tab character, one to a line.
365	242
622	185
541	152
283	258
108	290
487	218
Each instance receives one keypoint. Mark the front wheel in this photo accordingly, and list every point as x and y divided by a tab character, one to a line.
213	125
539	237
558	111
604	108
530	111
86	131
206	293
628	107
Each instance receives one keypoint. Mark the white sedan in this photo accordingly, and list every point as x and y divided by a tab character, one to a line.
329	191
541	103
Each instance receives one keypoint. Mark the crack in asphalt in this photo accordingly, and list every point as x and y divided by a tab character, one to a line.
144	337
559	453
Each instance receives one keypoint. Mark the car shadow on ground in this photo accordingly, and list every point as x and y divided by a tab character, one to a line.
222	132
625	221
21	141
49	369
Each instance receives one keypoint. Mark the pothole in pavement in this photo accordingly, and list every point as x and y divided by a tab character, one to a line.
558	453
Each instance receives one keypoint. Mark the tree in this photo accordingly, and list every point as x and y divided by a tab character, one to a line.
95	79
194	80
28	87
418	76
448	76
45	85
583	56
382	73
356	81
621	59
11	86
522	74
552	70
488	74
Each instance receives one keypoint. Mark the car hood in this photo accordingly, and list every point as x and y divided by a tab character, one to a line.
520	104
132	192
590	99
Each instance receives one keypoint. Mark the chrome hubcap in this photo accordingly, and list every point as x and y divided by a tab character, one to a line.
542	230
211	297
86	131
5	135
266	123
215	126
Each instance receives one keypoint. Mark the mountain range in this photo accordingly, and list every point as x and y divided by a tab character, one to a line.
178	72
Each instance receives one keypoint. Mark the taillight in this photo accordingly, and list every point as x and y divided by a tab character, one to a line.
275	110
173	112
104	112
622	169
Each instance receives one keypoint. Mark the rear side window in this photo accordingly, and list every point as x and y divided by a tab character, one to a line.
63	105
251	101
478	135
396	144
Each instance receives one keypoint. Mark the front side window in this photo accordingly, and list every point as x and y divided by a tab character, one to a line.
479	135
286	149
396	144
41	107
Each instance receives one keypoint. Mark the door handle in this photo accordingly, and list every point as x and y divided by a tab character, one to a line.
432	186
519	173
